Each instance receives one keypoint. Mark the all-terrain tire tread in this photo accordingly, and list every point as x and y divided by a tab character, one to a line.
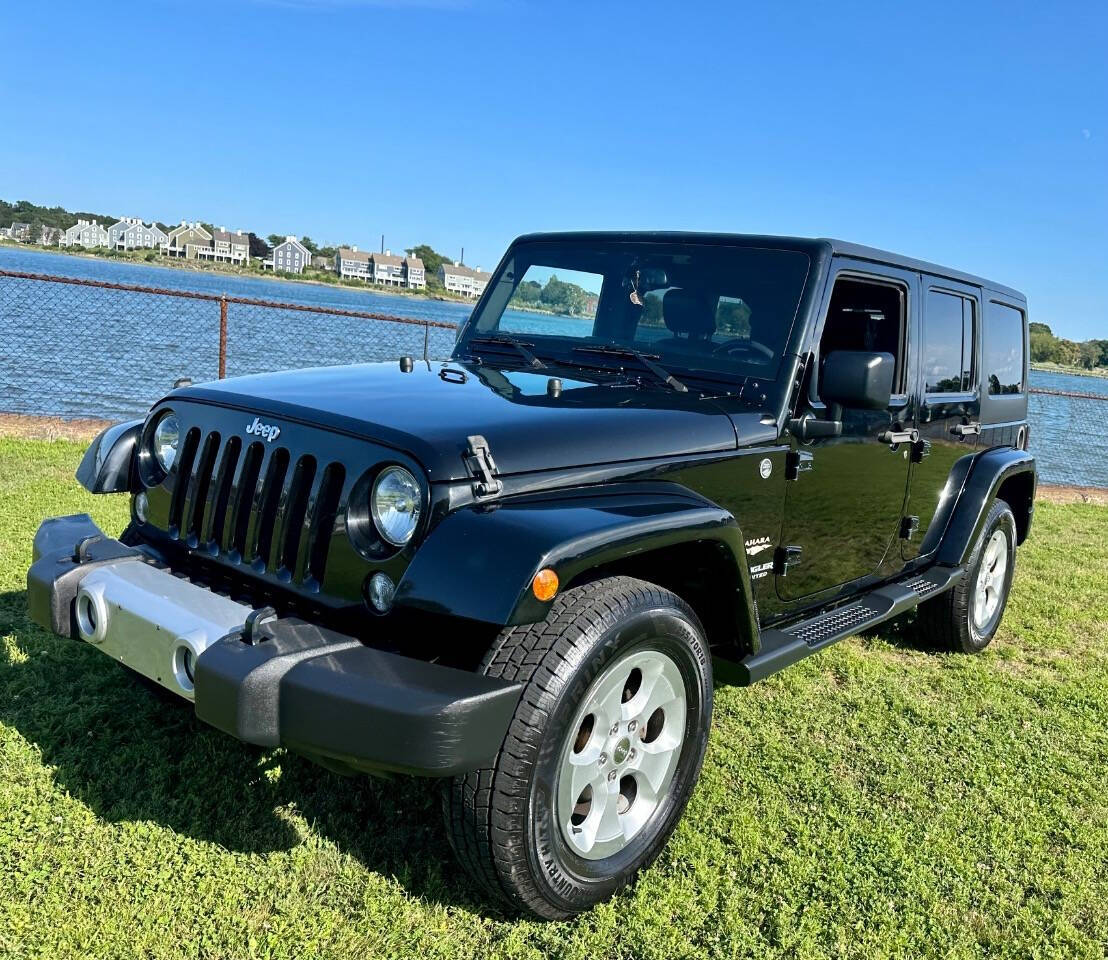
482	804
945	619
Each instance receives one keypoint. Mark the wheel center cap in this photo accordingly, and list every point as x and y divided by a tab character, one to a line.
619	754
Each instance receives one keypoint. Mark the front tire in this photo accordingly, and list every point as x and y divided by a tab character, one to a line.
601	755
968	615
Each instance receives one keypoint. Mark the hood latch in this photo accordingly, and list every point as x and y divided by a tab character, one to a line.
482	467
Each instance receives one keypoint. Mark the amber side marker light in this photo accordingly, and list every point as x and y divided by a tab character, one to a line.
545	584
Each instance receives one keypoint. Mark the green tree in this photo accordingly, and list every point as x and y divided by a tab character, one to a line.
259	249
310	245
431	258
529	292
275	239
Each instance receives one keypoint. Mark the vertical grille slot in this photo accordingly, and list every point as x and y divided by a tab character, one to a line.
218	494
197	493
293	510
322	521
266	508
182	471
243	497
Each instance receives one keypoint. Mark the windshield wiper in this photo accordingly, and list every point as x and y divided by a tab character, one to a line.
647	360
518	345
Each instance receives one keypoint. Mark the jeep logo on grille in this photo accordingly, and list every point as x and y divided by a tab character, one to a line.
267	431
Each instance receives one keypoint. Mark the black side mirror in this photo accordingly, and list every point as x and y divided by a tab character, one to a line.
857	379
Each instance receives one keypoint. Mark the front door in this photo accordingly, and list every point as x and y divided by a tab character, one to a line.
843	511
949	407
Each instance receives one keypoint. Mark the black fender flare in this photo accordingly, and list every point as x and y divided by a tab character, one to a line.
106	467
989	472
479	561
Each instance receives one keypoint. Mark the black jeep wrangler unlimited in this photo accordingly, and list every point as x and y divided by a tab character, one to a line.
649	455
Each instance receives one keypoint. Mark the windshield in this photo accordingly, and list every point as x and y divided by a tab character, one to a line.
721	312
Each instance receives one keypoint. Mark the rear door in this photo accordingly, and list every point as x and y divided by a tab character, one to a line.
843	513
949	404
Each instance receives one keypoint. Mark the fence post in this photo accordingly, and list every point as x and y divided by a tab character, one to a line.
426	338
222	337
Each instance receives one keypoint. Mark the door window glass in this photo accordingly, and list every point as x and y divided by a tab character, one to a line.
869	316
1002	349
948	343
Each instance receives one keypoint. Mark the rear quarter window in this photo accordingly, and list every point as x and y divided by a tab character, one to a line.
1002	349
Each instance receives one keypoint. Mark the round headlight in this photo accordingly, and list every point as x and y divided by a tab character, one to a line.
167	434
395	505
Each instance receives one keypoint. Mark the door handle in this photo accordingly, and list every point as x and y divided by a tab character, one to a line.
893	437
966	430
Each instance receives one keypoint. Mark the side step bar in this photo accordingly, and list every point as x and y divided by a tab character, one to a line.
784	646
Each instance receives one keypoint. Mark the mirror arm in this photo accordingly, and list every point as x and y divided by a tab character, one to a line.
808	427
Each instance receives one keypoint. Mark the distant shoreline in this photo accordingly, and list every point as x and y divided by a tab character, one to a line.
192	266
1098	372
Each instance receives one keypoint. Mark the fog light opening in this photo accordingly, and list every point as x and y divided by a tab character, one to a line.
184	667
381	592
86	616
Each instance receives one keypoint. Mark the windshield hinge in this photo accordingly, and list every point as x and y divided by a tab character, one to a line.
796	463
785	557
482	468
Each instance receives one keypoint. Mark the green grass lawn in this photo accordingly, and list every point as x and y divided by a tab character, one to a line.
877	800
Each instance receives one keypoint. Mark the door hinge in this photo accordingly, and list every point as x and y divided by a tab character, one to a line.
967	429
908	527
785	557
796	463
482	468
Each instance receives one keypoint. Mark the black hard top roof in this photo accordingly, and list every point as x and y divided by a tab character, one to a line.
810	245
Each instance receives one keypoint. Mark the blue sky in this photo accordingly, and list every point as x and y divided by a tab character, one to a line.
972	134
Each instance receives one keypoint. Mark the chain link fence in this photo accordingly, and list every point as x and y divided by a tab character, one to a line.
74	347
1067	436
79	348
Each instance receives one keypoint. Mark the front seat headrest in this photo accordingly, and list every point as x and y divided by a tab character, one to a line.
689	313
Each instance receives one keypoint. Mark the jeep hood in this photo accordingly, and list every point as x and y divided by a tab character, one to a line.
430	412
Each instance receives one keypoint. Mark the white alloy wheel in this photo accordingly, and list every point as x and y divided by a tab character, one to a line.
990	580
621	753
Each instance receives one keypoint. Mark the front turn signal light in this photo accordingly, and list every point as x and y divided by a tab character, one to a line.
545	584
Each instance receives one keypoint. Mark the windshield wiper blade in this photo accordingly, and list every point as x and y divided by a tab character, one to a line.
647	360
518	345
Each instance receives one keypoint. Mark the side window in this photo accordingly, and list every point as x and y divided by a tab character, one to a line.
1002	348
948	326
867	315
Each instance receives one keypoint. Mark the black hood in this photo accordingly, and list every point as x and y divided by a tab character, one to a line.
430	411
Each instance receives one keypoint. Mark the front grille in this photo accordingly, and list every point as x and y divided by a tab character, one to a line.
254	505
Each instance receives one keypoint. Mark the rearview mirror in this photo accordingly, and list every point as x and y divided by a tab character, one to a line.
857	379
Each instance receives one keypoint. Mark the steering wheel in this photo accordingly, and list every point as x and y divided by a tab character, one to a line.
738	344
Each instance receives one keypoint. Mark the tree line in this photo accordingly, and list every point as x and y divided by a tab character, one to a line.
1047	348
557	296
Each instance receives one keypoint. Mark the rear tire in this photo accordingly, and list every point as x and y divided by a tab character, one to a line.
617	696
968	615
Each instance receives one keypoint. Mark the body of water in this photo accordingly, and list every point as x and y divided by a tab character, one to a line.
78	351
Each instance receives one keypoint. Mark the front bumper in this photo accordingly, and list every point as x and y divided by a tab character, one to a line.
278	682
